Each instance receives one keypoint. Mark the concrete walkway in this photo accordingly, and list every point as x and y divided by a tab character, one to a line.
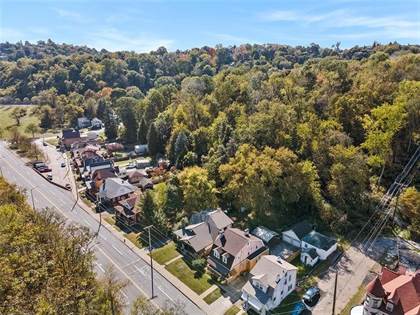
173	259
209	290
143	254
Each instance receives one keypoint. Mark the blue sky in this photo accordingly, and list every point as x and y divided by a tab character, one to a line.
145	25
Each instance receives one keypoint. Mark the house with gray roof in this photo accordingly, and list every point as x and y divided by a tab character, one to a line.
234	252
197	238
323	245
114	189
294	235
271	280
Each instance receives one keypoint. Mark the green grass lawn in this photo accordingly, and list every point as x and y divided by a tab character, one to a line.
111	220
52	141
356	299
7	121
288	303
183	272
213	296
134	238
165	253
232	310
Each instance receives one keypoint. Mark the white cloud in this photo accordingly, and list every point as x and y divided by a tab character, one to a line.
68	14
113	40
389	26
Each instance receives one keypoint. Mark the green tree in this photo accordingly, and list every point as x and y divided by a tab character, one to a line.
154	141
148	207
32	128
142	132
199	192
409	206
127	112
111	127
18	113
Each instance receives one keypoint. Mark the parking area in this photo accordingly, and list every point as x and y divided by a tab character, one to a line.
57	162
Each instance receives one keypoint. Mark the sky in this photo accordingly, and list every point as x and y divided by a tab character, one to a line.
141	26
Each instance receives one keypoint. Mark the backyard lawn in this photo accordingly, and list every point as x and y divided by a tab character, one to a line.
7	121
165	253
213	296
183	272
355	300
232	310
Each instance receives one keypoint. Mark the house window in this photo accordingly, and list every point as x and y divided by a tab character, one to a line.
289	288
389	306
216	253
224	259
290	277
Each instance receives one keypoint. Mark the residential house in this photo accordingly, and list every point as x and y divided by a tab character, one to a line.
83	122
134	177
113	190
316	246
69	137
295	234
128	211
141	149
393	293
197	238
275	243
234	252
98	177
114	147
90	155
100	165
96	124
143	163
271	280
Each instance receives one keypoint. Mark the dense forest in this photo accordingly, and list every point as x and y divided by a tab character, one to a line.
46	266
272	133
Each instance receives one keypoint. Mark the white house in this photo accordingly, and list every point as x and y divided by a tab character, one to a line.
272	279
294	235
83	122
316	246
96	123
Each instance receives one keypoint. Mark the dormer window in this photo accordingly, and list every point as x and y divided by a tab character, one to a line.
224	258
389	307
216	253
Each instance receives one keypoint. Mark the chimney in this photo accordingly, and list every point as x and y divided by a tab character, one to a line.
246	232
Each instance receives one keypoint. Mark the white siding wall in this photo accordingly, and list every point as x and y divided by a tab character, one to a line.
291	238
322	253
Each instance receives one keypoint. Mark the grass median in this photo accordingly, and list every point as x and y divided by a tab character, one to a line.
213	296
165	253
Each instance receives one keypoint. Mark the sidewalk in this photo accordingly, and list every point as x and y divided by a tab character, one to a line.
143	254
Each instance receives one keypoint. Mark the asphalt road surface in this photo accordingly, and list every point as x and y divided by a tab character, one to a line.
109	250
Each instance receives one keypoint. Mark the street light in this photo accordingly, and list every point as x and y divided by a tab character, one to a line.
32	196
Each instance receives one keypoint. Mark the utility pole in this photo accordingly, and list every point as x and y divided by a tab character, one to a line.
151	259
32	197
335	291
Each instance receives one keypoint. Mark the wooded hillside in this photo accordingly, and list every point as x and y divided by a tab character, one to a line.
273	133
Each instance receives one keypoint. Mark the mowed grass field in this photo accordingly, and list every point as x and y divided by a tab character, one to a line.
7	121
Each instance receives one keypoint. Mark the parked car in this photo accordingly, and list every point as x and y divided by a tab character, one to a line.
44	144
68	186
311	297
131	165
300	309
44	169
49	177
63	164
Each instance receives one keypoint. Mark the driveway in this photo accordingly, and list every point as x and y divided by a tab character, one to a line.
352	268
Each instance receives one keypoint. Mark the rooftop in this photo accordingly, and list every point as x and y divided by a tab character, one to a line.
319	240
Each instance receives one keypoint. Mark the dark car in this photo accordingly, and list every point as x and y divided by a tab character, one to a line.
311	296
44	169
49	177
44	144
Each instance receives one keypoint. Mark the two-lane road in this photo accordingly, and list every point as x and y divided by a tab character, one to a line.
108	248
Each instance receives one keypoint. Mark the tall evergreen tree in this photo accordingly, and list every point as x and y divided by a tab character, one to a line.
154	142
142	132
111	128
